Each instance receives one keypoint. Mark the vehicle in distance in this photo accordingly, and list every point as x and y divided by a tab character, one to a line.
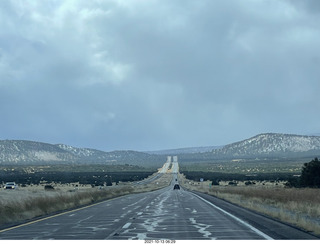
10	185
176	187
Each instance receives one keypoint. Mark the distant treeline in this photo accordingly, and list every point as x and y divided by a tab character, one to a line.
310	176
217	176
92	178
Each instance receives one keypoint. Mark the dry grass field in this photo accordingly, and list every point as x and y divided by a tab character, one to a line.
29	202
296	206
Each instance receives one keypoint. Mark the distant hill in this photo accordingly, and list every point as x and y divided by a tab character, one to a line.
14	151
30	152
268	145
186	150
271	145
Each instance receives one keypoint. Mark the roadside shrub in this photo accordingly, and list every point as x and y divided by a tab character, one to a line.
215	182
293	182
48	187
247	183
231	183
310	175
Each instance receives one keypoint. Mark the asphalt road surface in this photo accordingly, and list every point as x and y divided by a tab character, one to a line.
164	170
162	214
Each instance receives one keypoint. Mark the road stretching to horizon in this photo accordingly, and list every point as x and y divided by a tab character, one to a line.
162	214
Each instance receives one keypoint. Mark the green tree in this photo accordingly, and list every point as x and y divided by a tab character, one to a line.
310	175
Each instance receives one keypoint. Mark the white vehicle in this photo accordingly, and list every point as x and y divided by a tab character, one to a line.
10	185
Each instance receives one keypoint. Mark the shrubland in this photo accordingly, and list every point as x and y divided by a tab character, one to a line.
94	174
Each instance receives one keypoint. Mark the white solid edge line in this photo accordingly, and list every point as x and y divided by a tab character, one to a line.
237	219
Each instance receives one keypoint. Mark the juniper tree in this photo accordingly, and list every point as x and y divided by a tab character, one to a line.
310	175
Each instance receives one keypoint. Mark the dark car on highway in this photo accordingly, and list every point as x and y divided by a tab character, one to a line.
176	187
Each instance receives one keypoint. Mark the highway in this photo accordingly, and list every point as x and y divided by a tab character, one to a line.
163	170
162	214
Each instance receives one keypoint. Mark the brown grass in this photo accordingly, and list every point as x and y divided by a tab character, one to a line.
19	205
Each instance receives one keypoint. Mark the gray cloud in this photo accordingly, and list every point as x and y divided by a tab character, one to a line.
157	74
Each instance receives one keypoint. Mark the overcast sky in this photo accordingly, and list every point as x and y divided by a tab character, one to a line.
149	75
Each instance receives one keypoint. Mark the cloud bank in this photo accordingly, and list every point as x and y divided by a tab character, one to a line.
148	75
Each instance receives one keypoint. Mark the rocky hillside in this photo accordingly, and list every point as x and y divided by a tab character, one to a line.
13	151
271	145
20	151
